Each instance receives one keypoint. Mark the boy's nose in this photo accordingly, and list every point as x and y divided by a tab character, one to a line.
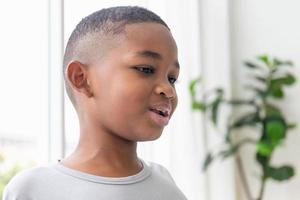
166	90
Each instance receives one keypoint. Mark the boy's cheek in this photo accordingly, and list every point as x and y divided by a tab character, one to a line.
135	92
174	105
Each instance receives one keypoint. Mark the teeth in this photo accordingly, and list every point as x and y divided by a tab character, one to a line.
163	109
161	112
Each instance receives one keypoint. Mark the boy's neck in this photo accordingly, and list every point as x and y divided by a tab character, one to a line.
104	157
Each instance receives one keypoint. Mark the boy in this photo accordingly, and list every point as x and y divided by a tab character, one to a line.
120	66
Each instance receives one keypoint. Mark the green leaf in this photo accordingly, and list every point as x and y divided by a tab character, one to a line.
249	119
192	86
261	79
229	152
264	148
264	59
276	130
198	106
286	80
251	65
241	102
276	90
289	79
272	110
228	136
214	110
261	159
214	105
220	91
291	126
278	62
234	148
280	173
276	85
257	90
208	160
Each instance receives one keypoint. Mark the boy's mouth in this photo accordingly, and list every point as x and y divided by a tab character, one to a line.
163	109
160	113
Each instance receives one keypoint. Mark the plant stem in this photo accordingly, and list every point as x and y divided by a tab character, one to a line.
262	189
241	171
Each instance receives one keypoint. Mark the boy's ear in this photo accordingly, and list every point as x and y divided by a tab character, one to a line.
76	73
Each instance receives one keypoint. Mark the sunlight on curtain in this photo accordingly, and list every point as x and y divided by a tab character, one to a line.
23	83
23	86
216	65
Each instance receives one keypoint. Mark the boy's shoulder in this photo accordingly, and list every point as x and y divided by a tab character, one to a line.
51	181
38	174
28	179
30	175
159	170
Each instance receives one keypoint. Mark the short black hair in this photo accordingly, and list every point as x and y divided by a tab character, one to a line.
107	21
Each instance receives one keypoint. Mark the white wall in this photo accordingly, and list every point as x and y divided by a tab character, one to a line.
272	27
215	62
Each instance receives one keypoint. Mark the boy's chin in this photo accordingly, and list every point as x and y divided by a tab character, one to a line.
153	138
149	137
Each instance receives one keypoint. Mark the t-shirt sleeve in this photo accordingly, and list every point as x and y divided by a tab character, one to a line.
20	186
165	173
7	195
162	171
14	190
11	194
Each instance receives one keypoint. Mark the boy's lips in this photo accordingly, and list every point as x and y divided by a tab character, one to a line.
160	113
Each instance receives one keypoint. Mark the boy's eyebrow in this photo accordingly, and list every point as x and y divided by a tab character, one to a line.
155	55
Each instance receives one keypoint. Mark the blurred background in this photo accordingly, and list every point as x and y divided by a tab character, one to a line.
38	124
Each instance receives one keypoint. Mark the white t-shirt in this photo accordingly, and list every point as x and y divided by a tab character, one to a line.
57	182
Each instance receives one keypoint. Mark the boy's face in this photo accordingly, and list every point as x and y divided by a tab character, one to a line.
133	84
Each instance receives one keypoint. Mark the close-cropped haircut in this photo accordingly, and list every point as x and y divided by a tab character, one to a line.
107	22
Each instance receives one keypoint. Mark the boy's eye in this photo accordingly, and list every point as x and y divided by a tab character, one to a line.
172	80
146	70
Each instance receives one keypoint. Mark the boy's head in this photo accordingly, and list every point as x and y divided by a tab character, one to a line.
120	65
103	26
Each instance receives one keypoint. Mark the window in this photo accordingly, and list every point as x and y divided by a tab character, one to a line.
23	84
24	99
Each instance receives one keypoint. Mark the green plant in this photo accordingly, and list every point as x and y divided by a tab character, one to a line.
269	76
